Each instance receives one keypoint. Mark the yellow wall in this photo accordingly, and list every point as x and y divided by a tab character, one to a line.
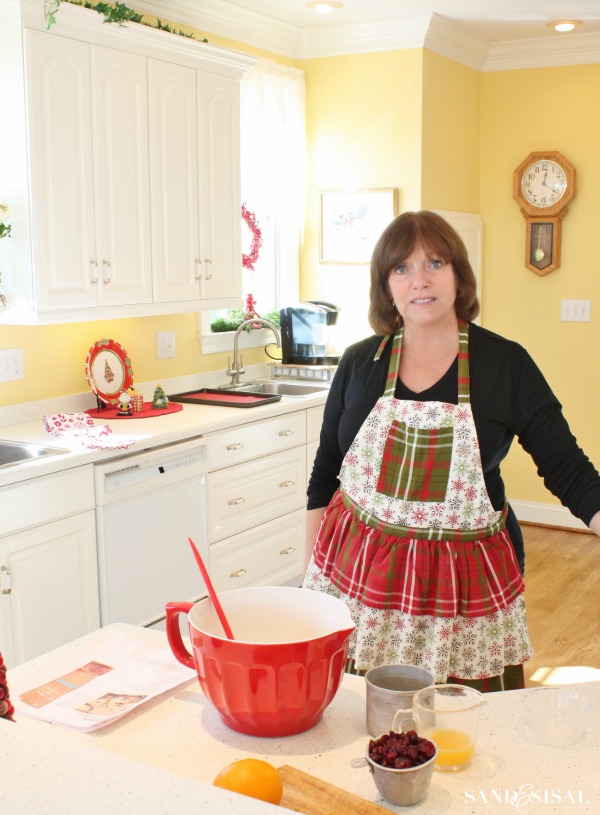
450	135
364	132
525	111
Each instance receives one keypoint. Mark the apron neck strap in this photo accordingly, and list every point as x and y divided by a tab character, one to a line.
463	361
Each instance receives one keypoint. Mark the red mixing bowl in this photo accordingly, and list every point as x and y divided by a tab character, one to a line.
284	666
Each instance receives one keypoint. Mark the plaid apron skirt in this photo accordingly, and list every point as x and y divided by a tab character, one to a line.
414	547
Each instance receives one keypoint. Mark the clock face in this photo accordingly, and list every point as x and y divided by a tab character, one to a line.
543	183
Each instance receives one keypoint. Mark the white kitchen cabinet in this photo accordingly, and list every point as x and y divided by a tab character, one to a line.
49	587
270	554
121	169
194	160
89	174
257	501
252	492
48	563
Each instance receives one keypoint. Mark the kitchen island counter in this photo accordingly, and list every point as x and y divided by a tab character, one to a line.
165	754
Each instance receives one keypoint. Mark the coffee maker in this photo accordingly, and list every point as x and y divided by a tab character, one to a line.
308	334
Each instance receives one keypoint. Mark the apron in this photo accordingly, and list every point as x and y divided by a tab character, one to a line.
412	544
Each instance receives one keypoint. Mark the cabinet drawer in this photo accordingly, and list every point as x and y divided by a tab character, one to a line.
270	554
240	498
45	499
248	441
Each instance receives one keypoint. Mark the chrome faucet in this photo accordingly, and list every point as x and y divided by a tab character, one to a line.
237	368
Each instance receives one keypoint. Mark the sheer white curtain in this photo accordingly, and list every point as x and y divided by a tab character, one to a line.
273	178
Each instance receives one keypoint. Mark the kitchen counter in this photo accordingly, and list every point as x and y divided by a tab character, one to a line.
191	421
162	757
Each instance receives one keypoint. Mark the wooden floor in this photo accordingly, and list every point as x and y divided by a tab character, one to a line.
562	579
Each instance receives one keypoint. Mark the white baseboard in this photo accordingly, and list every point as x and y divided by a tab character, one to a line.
546	514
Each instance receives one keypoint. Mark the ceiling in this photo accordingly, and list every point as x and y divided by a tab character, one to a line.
487	34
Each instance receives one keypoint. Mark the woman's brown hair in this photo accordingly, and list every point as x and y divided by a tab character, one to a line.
396	243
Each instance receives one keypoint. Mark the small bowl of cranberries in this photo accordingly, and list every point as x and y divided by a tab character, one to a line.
402	766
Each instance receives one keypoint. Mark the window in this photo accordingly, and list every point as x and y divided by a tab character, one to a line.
273	148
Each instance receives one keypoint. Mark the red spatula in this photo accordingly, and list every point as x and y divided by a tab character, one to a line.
211	591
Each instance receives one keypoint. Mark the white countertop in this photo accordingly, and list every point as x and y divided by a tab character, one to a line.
162	758
192	420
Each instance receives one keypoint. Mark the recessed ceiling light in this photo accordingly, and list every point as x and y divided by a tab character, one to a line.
564	25
324	7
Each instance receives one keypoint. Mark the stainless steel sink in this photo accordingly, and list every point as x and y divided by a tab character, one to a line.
282	387
16	452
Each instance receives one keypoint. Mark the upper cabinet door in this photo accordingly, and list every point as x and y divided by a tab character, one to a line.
88	126
219	128
120	108
174	181
62	173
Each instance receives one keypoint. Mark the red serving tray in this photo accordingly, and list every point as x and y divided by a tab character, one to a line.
224	398
112	412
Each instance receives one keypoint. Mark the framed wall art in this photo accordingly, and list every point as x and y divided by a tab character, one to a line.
352	221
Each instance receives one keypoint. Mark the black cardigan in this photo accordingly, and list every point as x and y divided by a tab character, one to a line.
509	397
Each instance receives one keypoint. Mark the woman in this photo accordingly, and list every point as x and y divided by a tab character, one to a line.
407	517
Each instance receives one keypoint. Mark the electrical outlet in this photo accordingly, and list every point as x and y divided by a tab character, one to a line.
578	311
165	344
11	364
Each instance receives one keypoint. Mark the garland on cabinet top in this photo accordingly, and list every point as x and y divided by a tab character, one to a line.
113	13
5	230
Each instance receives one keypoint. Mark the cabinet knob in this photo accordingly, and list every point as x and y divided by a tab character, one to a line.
94	268
6	580
286	483
235	446
198	274
106	272
235	501
239	573
208	263
289	551
286	433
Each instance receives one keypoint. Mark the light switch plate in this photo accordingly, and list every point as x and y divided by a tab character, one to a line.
11	364
578	311
165	344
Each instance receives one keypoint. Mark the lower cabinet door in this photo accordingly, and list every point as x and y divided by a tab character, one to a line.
48	587
268	555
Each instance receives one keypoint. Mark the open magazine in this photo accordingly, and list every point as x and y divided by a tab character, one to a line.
110	678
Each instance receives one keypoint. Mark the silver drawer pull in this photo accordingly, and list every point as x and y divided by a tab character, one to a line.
235	501
286	483
235	446
286	433
287	551
239	573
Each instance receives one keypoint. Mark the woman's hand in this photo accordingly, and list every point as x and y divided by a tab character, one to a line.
595	524
313	523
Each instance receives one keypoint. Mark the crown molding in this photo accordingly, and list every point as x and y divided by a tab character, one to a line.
545	52
437	33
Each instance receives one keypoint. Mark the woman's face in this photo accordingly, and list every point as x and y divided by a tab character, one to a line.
423	289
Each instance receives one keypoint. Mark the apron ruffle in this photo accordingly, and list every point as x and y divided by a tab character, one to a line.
460	647
435	578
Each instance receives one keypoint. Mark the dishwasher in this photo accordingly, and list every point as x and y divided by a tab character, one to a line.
147	506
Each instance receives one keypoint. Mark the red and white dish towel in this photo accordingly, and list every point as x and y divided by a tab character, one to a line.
80	427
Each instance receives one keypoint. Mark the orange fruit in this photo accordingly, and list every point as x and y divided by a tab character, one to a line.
253	777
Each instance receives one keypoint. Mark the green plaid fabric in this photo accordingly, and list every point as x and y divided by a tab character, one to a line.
416	463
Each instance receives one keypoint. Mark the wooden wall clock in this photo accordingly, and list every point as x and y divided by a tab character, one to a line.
544	185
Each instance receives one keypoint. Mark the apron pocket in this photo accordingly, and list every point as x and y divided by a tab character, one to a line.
416	463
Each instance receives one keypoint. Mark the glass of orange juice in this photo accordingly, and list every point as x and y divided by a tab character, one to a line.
448	715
